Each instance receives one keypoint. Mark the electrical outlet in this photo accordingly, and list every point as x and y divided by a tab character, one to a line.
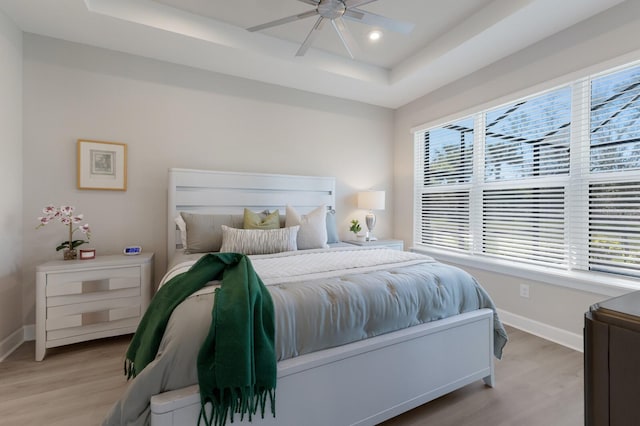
524	290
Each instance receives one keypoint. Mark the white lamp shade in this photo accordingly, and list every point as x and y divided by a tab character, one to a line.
371	200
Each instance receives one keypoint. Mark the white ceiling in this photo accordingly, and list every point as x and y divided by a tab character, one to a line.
451	38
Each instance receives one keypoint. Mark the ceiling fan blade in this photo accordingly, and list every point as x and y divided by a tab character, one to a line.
355	3
284	20
364	17
310	37
311	2
345	35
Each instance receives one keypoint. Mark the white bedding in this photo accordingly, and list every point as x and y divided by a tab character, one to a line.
323	298
310	264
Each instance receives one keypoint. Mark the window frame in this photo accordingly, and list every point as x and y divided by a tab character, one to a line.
576	184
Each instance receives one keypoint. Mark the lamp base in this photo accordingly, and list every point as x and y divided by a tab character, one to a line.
370	219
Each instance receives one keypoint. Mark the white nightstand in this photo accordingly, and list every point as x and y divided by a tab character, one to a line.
392	244
79	300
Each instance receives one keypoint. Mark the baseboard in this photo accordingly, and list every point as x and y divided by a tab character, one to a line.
29	332
11	343
15	339
545	331
557	335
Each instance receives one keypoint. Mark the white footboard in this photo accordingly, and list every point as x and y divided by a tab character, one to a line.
366	382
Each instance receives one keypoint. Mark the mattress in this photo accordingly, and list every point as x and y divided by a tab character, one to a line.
323	298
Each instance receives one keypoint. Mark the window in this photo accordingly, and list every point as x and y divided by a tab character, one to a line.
529	138
551	180
614	184
446	156
448	153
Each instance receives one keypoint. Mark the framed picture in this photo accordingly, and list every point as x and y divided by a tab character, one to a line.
102	165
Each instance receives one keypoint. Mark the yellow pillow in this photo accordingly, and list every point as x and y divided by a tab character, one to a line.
254	220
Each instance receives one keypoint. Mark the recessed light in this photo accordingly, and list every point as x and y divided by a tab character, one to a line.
375	35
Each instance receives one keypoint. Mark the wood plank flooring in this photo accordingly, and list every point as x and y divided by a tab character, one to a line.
539	383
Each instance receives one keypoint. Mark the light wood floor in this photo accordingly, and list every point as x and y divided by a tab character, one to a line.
538	383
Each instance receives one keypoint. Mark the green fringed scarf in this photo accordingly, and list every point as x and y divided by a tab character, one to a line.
237	362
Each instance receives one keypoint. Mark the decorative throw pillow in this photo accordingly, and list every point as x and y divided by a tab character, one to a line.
182	226
254	220
259	241
313	227
332	228
203	232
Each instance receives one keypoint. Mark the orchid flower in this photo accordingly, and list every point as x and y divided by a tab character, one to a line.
65	215
44	220
66	210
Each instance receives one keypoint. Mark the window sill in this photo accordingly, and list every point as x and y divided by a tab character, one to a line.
606	284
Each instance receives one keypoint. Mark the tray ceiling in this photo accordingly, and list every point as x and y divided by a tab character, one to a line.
451	39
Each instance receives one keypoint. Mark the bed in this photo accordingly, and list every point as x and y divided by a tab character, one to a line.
361	379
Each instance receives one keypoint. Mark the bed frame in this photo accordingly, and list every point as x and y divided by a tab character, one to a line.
361	383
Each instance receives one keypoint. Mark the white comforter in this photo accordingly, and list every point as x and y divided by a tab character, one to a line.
313	264
322	299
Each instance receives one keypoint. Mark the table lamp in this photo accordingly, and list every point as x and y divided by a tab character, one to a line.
371	200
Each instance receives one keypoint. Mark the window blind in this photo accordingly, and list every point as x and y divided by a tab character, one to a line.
615	121
551	180
448	152
525	141
614	227
525	224
614	190
445	220
528	138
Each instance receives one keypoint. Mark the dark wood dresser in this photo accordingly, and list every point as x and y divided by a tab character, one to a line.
612	362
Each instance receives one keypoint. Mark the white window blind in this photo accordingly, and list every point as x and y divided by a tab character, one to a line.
614	183
448	152
615	121
614	227
444	156
525	224
524	142
551	180
529	138
445	220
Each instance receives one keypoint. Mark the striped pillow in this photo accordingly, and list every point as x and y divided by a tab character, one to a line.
259	241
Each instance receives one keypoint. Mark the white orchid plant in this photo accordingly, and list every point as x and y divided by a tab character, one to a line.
65	215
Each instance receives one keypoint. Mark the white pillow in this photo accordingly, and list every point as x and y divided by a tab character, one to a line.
182	226
258	241
313	227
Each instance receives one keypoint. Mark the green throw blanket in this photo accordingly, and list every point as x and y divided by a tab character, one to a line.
237	361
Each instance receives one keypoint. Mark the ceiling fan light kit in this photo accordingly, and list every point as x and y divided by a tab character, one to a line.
334	11
375	35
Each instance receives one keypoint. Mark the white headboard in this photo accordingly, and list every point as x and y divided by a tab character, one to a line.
205	191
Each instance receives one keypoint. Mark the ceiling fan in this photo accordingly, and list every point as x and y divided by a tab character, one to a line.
334	11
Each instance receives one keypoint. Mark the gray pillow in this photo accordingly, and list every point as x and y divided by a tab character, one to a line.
332	228
204	231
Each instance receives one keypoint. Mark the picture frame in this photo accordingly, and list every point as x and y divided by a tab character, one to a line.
87	254
102	165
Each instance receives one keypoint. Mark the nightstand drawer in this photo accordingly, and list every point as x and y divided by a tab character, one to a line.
93	306
84	282
92	297
93	317
87	330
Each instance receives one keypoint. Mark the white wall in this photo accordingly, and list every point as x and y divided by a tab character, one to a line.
602	38
11	318
175	116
